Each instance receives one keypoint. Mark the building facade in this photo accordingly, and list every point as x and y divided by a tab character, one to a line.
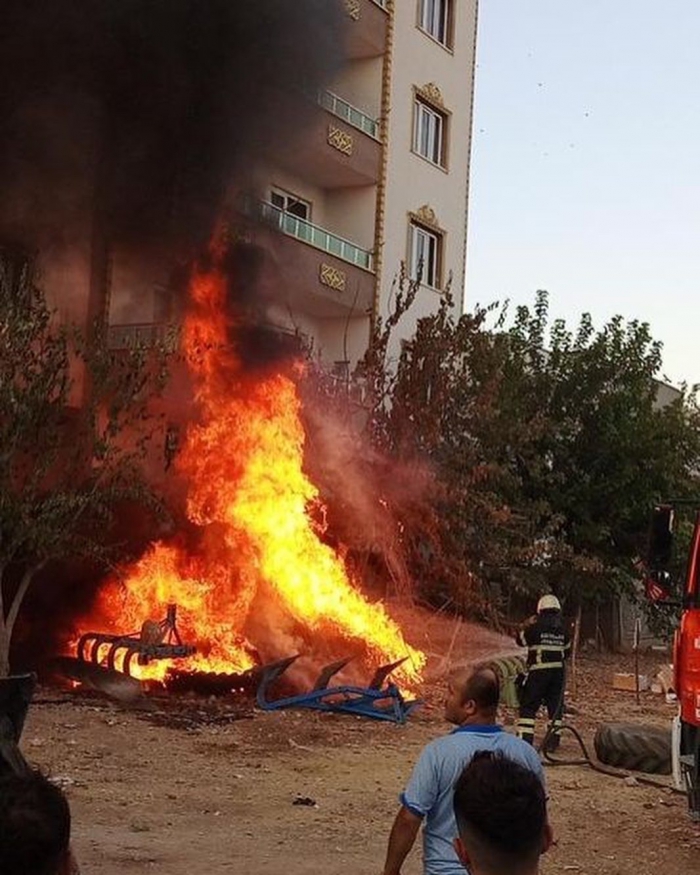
380	178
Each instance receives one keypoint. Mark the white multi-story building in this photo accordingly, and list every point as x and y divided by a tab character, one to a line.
383	177
380	177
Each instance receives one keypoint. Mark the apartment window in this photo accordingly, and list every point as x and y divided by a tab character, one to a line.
425	255
290	203
429	127
435	18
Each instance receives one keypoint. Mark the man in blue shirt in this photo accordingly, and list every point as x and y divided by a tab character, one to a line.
472	706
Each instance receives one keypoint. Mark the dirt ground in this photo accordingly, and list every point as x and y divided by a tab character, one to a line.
196	791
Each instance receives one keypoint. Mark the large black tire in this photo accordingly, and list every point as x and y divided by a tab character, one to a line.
639	748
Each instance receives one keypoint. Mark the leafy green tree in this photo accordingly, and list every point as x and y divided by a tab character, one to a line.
75	427
610	449
549	446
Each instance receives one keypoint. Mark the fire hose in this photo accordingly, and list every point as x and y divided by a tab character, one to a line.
586	759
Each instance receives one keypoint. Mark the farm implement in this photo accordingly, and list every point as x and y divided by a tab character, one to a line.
112	656
155	641
379	700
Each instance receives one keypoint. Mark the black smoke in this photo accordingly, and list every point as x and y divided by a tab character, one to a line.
145	110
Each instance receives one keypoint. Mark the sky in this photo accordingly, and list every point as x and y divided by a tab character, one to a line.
585	173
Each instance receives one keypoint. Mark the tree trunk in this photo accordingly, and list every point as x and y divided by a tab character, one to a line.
4	649
574	649
4	637
7	621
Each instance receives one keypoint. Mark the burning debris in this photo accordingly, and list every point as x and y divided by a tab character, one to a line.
125	128
261	582
154	641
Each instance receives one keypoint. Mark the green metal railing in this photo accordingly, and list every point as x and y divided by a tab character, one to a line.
349	113
316	236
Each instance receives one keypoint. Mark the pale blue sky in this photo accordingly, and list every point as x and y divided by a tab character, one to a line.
586	163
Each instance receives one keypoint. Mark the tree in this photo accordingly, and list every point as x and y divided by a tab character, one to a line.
549	445
610	448
75	426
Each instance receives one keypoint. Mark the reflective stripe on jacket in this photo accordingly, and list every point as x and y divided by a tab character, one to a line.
547	642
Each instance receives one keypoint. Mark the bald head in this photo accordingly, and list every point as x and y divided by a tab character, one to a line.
473	695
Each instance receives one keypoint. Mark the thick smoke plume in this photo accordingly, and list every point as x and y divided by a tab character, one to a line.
128	123
143	111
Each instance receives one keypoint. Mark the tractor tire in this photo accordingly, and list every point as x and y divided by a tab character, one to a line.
638	748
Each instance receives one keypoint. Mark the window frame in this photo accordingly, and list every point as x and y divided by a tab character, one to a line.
415	229
276	191
422	109
445	23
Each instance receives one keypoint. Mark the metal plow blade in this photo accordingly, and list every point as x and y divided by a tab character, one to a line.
113	684
380	700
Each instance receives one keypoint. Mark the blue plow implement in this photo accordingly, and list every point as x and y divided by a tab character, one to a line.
380	700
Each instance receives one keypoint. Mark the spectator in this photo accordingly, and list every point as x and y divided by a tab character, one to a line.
501	813
472	705
34	827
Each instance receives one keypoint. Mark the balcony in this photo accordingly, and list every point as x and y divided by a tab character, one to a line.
315	236
349	113
143	335
316	272
367	29
340	147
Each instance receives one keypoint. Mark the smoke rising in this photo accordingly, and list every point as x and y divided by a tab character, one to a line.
367	492
147	109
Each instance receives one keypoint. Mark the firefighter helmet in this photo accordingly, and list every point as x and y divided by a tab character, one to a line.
548	603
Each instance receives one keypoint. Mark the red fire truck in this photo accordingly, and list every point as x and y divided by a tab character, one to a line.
686	650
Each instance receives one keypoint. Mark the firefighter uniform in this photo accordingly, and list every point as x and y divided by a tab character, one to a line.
548	646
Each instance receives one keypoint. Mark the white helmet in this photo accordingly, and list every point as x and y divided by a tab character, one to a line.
548	603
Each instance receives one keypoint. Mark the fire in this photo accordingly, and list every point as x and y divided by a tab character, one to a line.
260	571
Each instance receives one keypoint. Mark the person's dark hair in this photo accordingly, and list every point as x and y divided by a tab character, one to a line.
501	812
34	825
483	688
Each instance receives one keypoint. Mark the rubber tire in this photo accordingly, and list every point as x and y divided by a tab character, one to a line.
638	748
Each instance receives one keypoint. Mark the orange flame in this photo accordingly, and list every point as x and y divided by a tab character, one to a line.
260	572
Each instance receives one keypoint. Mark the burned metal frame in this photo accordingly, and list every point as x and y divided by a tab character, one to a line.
155	641
377	701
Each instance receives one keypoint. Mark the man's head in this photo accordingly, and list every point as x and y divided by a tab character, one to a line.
34	826
501	812
472	696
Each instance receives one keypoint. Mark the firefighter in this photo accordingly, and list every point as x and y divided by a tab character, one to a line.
548	645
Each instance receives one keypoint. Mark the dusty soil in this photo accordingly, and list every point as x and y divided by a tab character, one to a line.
209	794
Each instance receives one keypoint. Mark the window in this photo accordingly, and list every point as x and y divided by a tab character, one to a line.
290	203
429	132
425	255
436	19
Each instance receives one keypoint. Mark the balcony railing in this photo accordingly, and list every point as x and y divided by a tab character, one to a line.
144	335
349	113
316	236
